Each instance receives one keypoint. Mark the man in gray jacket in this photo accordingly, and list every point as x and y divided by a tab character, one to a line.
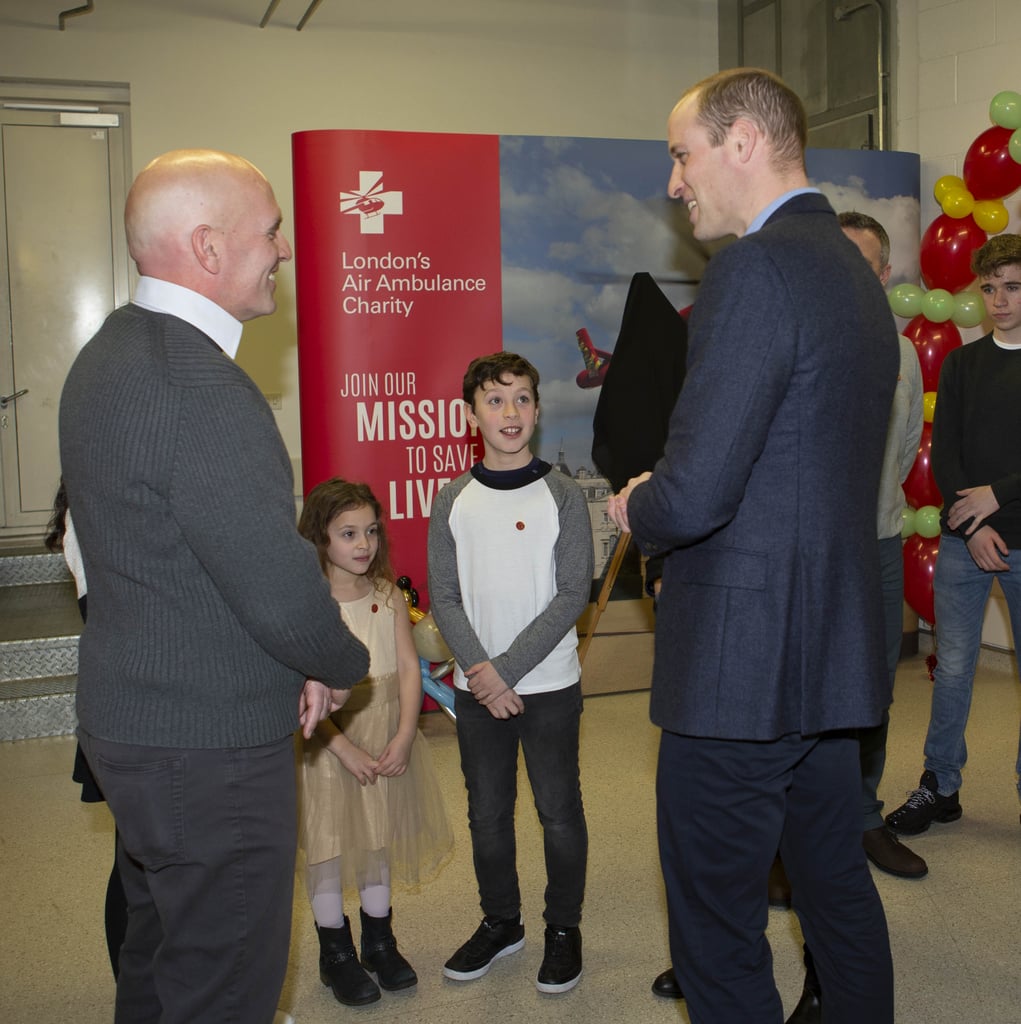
209	617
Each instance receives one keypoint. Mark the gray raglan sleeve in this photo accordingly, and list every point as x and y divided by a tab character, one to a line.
573	558
444	584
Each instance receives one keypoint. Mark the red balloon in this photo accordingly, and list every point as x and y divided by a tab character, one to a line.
920	487
932	342
919	568
945	252
990	172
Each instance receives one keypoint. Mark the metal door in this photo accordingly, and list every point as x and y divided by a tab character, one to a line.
63	268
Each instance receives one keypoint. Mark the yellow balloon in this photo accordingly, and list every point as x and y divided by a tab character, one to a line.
958	203
428	641
991	215
928	405
944	185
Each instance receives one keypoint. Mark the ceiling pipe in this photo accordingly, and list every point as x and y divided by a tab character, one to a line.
308	13
842	13
269	13
73	12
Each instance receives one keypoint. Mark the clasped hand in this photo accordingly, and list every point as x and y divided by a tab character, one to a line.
616	507
489	689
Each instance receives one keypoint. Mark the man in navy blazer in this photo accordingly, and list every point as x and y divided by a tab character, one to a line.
769	635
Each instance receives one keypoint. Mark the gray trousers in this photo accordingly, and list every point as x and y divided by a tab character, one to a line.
206	844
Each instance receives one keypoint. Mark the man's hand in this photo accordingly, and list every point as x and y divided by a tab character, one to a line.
987	549
317	701
975	503
616	507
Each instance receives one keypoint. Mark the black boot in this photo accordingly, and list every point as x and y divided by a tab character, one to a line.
381	956
339	967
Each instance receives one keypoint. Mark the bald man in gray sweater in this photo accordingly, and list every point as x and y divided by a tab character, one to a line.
212	634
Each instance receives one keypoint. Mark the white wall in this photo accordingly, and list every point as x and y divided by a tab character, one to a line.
952	57
202	73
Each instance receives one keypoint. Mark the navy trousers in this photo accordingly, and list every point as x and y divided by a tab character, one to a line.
724	807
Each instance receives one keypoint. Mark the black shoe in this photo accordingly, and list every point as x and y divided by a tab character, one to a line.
808	1010
889	854
340	970
923	807
494	938
381	956
667	985
561	964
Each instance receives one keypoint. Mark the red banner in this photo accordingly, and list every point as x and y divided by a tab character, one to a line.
397	264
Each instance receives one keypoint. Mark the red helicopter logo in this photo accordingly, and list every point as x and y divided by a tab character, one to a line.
367	203
371	202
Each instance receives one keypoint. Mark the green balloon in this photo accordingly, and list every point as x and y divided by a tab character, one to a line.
927	521
1005	109
906	300
938	305
1014	146
907	522
969	309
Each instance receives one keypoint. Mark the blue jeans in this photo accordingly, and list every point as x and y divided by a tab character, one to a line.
961	590
548	734
873	741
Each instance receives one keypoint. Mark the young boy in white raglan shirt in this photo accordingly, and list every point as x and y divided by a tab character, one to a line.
510	571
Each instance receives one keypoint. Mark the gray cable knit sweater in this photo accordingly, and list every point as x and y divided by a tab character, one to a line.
207	610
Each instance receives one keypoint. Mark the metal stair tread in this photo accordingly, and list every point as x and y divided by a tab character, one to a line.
19	689
38	610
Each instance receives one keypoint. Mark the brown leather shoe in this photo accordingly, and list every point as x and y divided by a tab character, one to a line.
889	854
778	888
667	986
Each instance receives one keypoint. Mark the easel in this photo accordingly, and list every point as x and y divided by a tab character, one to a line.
623	542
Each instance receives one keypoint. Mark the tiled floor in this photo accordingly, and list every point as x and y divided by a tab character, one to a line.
954	934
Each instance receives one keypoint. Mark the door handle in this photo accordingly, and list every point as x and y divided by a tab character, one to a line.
4	399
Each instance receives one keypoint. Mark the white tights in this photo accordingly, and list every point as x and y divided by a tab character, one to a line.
327	896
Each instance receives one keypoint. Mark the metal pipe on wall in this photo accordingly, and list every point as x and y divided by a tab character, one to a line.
842	13
73	12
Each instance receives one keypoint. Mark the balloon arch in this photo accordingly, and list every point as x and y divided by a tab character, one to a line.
973	208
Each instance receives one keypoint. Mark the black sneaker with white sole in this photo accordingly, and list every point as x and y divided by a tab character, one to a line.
561	965
925	805
494	938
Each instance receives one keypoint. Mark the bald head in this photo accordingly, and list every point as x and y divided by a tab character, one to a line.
208	221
